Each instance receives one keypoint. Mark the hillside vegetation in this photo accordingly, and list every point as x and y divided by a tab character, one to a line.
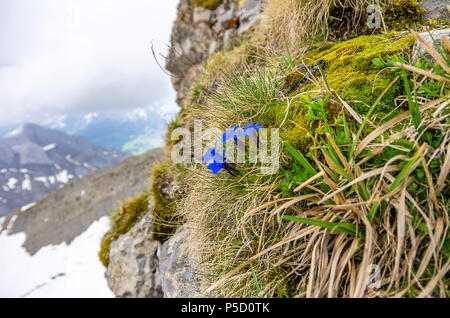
365	153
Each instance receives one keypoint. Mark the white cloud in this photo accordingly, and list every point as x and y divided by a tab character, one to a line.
66	56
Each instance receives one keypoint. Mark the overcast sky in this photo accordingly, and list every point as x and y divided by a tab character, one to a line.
76	56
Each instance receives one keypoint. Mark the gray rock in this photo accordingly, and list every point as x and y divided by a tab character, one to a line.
178	266
436	35
435	9
193	39
249	15
201	15
228	37
133	269
224	18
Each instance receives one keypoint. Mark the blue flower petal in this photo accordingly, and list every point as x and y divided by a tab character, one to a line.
215	167
230	133
209	155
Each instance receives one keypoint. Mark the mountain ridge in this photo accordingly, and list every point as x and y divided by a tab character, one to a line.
35	161
69	211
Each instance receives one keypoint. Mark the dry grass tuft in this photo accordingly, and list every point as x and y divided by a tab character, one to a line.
302	21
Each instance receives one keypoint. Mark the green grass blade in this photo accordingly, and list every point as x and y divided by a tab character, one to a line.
346	227
300	158
405	171
366	118
255	280
413	106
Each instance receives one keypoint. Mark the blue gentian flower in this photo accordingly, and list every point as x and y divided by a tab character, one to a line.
230	133
219	162
215	166
212	155
250	129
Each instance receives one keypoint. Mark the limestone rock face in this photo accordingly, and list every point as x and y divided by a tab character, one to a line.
133	269
199	32
178	267
436	36
435	9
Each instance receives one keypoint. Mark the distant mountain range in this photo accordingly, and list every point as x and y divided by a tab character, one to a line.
35	161
51	249
135	130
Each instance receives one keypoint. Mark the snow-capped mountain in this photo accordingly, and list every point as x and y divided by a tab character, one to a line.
51	248
35	161
136	130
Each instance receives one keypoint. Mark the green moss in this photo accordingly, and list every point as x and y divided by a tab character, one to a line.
208	4
403	14
122	220
349	69
295	131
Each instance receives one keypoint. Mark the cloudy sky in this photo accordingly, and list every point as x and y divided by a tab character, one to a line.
63	57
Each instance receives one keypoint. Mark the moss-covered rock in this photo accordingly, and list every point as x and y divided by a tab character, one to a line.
122	220
165	193
350	72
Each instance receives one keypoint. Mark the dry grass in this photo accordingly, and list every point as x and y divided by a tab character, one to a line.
249	248
301	21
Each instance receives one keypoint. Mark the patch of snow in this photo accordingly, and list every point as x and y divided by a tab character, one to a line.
43	180
57	166
49	147
86	165
4	170
46	220
83	193
12	183
23	170
10	224
62	177
26	183
52	179
58	271
68	158
5	188
27	207
14	132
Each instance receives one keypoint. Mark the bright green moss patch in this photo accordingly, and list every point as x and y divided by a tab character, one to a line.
350	72
122	220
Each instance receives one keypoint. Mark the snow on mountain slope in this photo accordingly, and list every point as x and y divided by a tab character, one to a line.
35	161
62	270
